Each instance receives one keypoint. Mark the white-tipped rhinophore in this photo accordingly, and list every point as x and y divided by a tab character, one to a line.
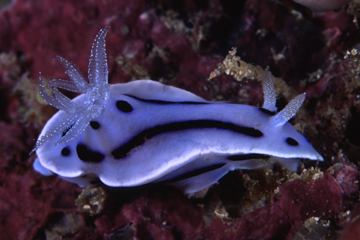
269	92
289	110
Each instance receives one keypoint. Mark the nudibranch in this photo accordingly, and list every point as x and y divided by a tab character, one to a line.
142	132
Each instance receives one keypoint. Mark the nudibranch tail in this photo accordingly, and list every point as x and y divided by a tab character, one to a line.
289	110
96	93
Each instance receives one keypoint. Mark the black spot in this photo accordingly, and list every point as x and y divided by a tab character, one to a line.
240	157
88	155
267	112
124	106
196	172
146	134
291	141
95	124
65	152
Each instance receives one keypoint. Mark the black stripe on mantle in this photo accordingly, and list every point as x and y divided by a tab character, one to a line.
140	138
165	102
247	156
195	173
212	167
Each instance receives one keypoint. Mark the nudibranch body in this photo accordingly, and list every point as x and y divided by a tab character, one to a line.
141	132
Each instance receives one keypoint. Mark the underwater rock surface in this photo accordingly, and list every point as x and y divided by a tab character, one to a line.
180	43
